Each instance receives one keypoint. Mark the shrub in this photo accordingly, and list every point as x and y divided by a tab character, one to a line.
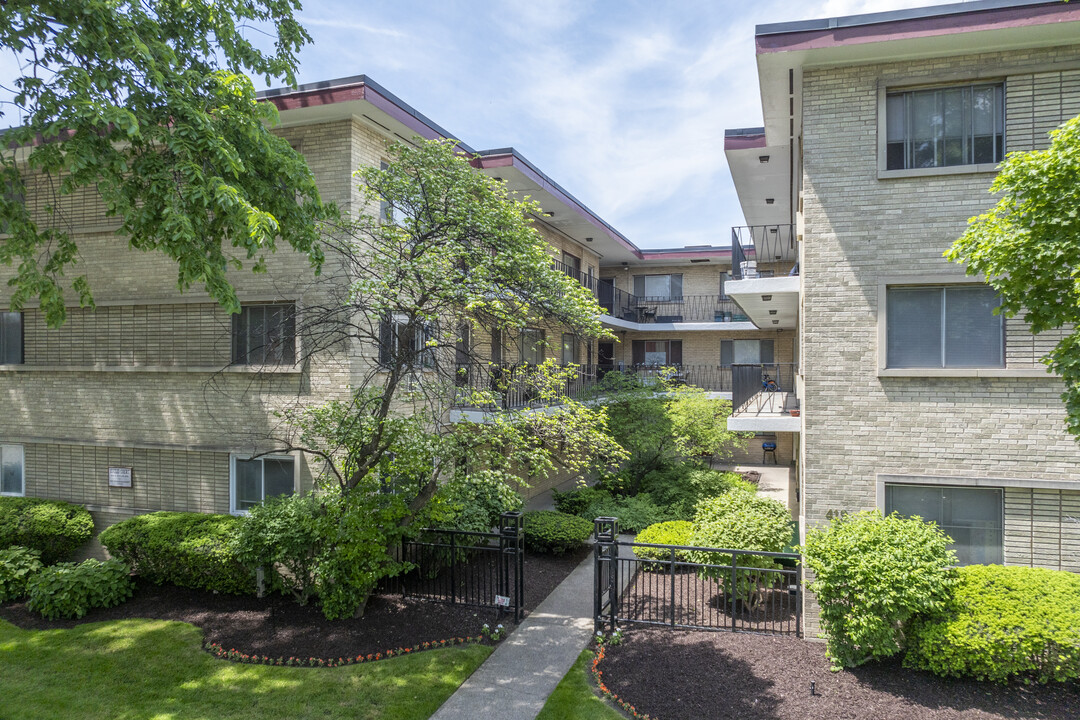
280	535
1003	623
873	575
673	532
69	590
52	527
17	566
187	549
634	513
474	502
681	487
550	531
579	500
739	520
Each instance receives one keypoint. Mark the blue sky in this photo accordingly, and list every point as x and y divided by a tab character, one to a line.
622	102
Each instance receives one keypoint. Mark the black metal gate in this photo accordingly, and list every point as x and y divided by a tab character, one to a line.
466	568
737	590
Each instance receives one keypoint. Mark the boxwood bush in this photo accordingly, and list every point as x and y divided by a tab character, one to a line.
52	527
17	566
550	531
740	520
873	575
187	549
672	532
69	590
1003	623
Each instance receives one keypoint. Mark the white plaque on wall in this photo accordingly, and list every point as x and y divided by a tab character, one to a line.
120	477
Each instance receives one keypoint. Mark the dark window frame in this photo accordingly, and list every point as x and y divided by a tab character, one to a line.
8	354
255	344
943	319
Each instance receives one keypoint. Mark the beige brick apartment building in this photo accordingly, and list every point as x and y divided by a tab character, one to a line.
157	400
914	396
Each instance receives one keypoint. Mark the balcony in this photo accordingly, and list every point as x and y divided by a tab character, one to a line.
763	398
626	307
486	387
765	274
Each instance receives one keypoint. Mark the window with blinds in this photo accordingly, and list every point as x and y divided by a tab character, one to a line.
944	327
264	335
945	126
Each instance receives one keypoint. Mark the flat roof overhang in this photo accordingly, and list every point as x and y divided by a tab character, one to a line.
770	303
761	172
784	50
360	98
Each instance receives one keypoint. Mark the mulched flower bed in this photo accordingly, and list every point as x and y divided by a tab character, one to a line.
684	675
277	627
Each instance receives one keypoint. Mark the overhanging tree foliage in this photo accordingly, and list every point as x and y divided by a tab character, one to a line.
421	286
1028	247
145	107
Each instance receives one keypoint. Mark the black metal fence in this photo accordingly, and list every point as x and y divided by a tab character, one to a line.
742	591
483	569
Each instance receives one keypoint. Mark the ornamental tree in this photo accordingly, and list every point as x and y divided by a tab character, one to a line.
146	107
1028	247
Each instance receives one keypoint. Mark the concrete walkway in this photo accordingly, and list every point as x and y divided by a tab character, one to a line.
516	680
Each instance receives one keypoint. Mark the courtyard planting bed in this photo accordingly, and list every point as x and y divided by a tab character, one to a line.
679	675
276	626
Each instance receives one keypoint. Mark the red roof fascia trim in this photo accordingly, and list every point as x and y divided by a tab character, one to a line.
744	142
921	27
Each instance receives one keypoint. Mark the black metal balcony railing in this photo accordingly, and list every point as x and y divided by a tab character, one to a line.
763	388
652	309
490	387
754	247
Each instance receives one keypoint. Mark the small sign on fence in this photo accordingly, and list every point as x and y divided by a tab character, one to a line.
502	601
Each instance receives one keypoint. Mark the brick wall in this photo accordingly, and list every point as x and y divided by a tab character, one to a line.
860	231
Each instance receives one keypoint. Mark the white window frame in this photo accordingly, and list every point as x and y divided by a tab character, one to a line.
884	89
233	457
18	449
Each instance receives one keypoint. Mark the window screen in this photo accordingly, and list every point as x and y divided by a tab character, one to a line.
947	126
11	470
943	327
972	517
261	478
11	338
264	335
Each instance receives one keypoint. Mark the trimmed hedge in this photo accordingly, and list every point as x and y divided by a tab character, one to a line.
54	528
186	549
673	532
18	565
550	531
1003	623
69	590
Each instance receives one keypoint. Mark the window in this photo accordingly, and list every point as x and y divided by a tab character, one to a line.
945	126
571	350
400	342
746	352
724	278
532	346
388	212
265	335
658	288
11	470
11	338
971	516
944	327
657	352
254	480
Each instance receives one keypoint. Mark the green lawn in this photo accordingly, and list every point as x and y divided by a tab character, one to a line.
574	698
156	669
